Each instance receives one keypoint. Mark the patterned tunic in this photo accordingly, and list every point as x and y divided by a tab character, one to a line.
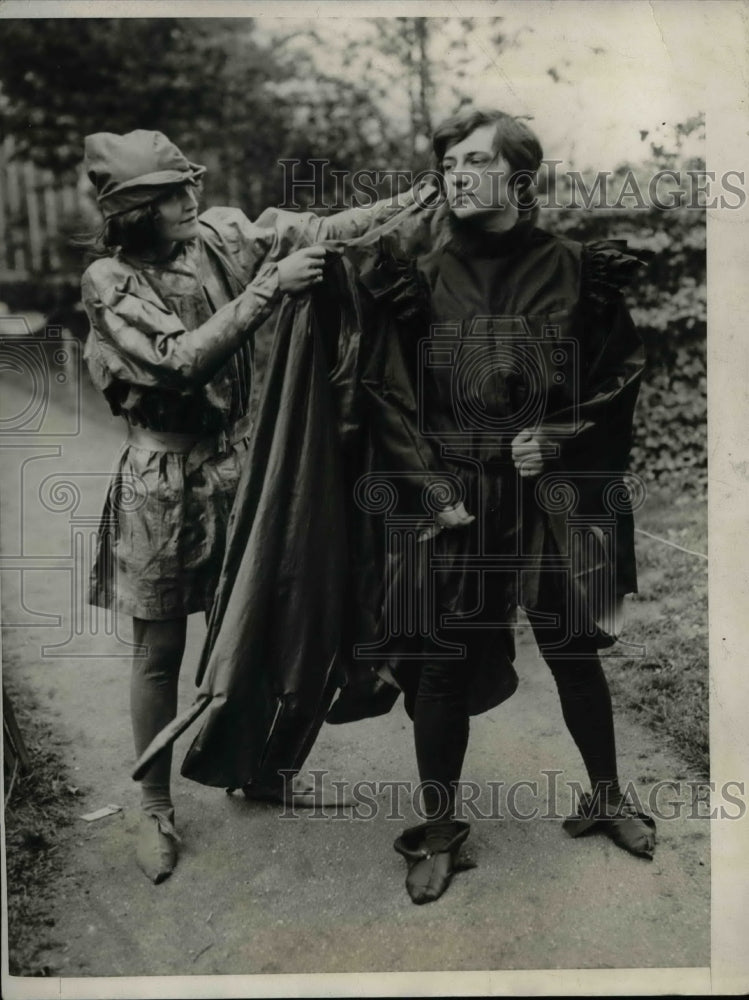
157	330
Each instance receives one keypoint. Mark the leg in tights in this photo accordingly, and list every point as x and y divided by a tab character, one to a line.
153	700
586	702
437	701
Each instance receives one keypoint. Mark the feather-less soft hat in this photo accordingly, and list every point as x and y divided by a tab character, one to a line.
129	171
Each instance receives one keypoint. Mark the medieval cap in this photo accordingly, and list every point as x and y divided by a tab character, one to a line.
129	171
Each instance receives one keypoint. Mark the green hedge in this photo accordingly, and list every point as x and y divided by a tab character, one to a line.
668	304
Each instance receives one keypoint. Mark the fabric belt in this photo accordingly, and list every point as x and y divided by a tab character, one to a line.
198	447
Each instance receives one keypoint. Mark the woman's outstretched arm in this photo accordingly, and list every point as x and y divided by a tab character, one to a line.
295	229
139	340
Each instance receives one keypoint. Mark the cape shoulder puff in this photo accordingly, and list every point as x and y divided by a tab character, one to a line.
608	267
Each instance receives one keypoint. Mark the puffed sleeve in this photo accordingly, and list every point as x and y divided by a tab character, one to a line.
248	245
612	359
135	338
294	230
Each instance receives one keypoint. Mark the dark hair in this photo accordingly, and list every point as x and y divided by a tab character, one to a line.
134	231
513	140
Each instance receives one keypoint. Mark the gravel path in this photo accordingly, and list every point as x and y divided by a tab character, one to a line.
255	892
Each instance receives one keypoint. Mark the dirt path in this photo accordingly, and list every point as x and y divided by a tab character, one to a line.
255	892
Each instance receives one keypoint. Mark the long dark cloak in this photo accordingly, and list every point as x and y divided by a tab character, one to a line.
303	573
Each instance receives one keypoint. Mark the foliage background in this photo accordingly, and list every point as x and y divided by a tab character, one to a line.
364	95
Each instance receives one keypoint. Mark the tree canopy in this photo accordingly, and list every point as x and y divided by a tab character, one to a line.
240	99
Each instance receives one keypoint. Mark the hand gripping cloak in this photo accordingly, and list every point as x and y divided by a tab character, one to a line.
303	571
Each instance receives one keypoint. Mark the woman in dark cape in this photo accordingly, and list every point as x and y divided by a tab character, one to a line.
527	388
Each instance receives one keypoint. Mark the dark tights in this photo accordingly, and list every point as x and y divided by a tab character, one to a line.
438	703
153	700
440	715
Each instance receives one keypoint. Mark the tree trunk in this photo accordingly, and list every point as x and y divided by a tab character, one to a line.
425	76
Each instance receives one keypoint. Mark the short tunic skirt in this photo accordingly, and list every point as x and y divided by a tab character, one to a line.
163	531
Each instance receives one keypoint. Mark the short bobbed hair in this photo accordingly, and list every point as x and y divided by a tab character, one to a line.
136	231
513	139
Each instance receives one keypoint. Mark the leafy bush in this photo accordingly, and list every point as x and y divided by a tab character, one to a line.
668	304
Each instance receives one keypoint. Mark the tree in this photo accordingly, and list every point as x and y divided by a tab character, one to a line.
411	70
405	40
230	98
64	78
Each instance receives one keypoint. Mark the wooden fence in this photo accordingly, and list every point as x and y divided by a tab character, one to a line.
38	212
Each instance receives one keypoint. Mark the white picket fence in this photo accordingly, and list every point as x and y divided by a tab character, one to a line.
34	205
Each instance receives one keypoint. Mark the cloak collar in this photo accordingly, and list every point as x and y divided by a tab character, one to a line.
471	240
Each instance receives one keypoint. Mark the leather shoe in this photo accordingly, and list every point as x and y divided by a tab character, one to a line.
432	852
632	831
157	847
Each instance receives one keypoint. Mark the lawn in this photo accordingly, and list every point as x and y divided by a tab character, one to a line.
37	807
667	686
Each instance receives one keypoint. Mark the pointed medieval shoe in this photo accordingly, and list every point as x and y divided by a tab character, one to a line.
632	831
432	852
157	847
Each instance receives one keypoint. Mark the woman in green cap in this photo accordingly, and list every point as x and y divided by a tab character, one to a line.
173	307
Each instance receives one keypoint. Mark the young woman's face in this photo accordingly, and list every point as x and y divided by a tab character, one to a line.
177	215
475	175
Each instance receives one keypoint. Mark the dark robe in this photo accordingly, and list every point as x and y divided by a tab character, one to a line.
530	331
303	574
527	331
